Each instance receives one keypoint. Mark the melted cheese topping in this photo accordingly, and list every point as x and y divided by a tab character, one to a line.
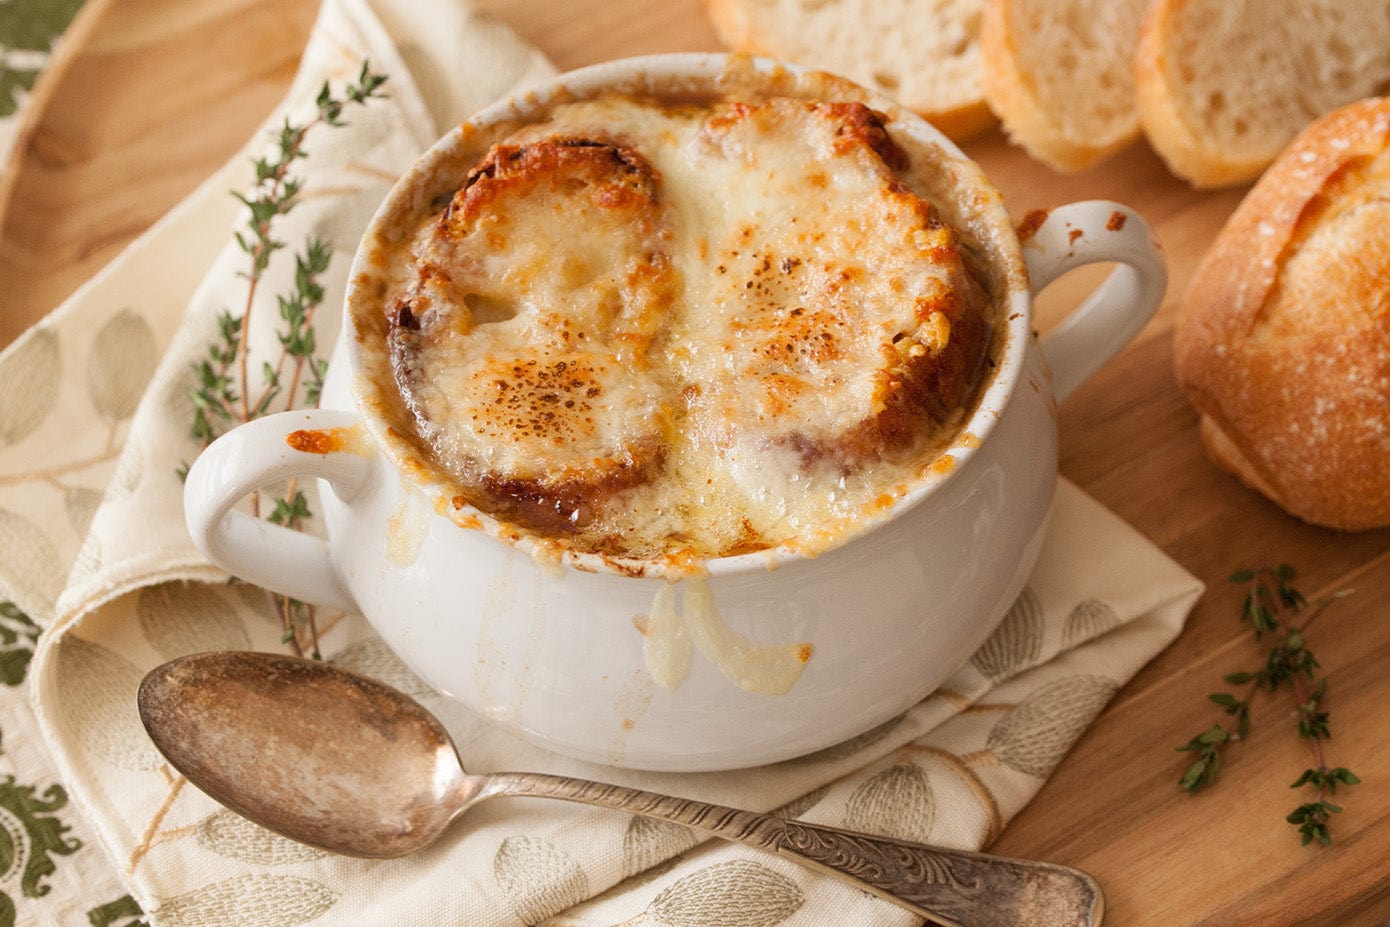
671	635
644	329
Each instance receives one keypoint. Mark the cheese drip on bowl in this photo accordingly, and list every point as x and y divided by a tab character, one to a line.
648	330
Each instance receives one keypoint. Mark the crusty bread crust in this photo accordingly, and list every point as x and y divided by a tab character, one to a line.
1159	93
1283	339
1011	88
731	23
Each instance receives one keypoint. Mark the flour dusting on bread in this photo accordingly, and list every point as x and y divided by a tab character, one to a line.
1283	339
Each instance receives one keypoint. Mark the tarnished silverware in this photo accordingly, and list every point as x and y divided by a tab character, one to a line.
350	765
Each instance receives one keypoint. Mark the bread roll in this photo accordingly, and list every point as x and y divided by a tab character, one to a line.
1283	339
923	53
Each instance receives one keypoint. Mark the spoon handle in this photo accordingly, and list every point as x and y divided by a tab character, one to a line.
954	888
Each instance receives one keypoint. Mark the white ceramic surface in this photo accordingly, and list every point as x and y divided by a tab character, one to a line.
553	651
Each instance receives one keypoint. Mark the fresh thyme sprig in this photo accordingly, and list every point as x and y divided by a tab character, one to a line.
1270	607
222	393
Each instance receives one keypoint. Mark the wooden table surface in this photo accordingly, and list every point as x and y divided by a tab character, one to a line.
101	161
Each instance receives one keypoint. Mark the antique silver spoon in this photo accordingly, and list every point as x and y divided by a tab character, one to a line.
350	765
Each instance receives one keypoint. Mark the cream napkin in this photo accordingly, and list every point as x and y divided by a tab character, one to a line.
103	382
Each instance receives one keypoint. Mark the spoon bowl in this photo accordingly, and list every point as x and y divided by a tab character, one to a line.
350	765
320	755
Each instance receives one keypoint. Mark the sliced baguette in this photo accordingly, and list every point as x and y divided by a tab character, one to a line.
1059	74
1224	85
923	53
1283	339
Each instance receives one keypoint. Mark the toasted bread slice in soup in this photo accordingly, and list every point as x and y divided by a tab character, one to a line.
540	292
846	334
645	327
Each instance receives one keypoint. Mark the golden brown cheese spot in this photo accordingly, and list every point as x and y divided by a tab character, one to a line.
522	347
329	441
550	416
314	441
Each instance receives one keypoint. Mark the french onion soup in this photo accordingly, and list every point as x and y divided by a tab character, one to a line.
674	331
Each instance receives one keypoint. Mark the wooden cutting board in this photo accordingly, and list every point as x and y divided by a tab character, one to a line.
149	96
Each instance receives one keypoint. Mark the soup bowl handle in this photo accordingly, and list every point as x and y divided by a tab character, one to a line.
316	442
1095	232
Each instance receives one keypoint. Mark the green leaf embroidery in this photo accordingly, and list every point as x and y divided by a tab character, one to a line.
123	912
17	637
30	25
30	834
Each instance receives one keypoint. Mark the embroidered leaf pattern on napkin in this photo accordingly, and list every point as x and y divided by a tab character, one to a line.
799	806
740	893
851	746
228	834
1033	737
183	618
98	690
1089	619
29	564
81	504
124	356
539	878
130	469
370	657
28	382
1017	640
897	802
256	899
31	833
647	842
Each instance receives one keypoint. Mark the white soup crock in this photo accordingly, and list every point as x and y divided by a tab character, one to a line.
554	651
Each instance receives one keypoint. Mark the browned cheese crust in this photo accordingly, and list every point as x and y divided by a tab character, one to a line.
1283	340
804	319
650	322
553	391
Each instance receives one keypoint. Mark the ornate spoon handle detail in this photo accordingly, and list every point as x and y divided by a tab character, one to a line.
954	888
